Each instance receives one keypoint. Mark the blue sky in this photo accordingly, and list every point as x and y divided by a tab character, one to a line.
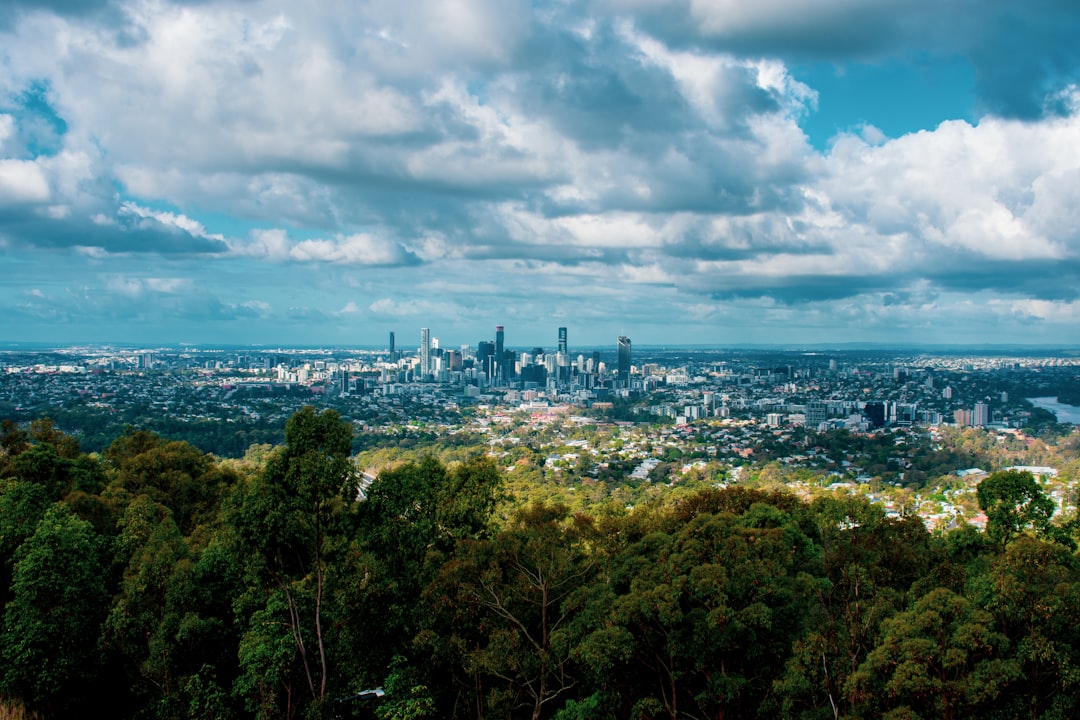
679	171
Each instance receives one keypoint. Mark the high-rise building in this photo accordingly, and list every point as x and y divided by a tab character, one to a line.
562	341
875	413
498	341
980	417
624	361
425	351
485	357
817	412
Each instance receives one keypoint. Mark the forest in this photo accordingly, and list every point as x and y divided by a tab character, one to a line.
153	580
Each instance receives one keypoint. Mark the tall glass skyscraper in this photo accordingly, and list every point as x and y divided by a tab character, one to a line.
624	361
562	341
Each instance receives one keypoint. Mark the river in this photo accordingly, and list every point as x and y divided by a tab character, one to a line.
1065	413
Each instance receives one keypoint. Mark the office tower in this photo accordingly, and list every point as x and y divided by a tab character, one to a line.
875	413
485	357
624	361
562	362
391	342
393	347
425	351
499	341
562	340
817	412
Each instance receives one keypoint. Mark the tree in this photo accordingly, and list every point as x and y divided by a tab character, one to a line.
943	658
291	521
178	475
1033	590
22	505
1013	503
868	562
520	591
52	625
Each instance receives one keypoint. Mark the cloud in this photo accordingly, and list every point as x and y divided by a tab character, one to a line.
103	235
138	287
22	181
631	158
1021	54
357	249
422	309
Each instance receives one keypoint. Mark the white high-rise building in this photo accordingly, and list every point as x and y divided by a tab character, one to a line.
425	351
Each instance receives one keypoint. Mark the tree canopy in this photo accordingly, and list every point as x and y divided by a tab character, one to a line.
156	581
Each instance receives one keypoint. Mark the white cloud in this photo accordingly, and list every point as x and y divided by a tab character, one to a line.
7	128
392	308
610	156
168	285
177	220
963	187
134	287
22	181
358	249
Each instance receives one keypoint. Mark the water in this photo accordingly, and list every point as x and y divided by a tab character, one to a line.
1065	413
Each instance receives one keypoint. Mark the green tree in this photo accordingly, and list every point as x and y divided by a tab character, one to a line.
1013	503
867	564
173	473
22	505
50	641
1033	591
413	519
520	591
943	659
291	523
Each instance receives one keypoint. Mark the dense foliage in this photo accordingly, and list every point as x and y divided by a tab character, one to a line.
153	581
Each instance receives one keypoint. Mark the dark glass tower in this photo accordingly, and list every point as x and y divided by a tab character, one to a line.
485	357
562	340
624	361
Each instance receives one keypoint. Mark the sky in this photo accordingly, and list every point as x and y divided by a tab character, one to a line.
678	171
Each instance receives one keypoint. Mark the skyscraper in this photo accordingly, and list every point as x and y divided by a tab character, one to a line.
562	341
425	351
500	356
624	361
485	357
393	349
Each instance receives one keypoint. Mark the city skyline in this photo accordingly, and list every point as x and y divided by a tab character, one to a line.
778	173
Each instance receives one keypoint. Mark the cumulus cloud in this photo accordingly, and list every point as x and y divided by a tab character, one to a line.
357	249
22	181
1022	55
506	157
